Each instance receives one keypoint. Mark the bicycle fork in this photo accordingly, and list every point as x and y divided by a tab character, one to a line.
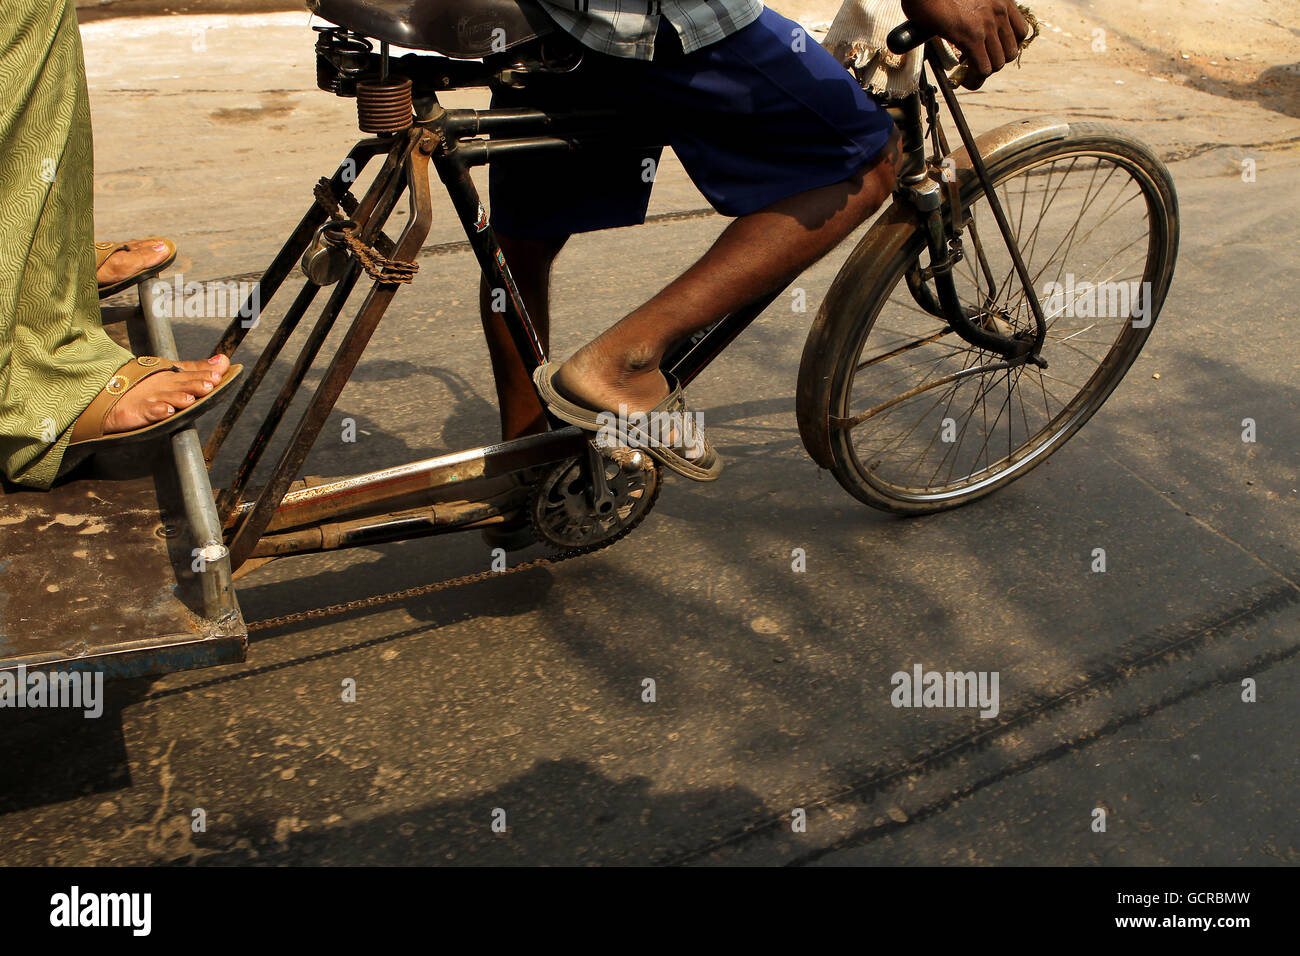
944	244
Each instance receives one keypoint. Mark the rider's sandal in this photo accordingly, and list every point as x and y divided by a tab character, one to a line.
103	250
88	430
695	459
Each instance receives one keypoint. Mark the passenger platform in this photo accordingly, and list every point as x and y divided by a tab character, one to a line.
120	567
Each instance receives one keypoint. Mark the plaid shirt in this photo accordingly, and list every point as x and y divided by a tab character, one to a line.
627	27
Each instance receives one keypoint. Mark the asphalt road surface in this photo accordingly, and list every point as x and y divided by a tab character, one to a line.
1120	691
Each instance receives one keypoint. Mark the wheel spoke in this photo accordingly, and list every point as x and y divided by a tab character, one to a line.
918	374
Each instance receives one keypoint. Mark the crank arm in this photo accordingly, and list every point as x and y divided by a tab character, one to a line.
602	499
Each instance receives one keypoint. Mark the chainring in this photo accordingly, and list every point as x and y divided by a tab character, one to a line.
561	509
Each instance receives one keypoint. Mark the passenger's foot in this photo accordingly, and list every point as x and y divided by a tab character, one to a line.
150	397
121	264
160	396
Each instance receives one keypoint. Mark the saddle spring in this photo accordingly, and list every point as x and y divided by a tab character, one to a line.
384	105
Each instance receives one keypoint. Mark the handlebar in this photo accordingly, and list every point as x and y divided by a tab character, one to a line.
906	37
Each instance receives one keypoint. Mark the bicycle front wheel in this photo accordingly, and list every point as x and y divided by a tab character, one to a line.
913	419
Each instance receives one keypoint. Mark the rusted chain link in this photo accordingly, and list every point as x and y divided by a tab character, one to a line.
325	197
394	596
377	265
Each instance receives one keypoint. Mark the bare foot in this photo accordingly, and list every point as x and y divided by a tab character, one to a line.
631	384
603	379
160	396
139	254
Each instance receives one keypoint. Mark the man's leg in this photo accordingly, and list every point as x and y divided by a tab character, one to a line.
755	254
530	263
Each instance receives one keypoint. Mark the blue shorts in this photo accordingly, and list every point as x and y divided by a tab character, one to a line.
757	117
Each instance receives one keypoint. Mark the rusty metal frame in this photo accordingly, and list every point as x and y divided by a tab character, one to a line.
436	495
413	157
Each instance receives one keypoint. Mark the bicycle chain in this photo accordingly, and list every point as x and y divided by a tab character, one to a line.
391	597
377	600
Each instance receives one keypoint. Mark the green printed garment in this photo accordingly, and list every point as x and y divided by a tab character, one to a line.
54	355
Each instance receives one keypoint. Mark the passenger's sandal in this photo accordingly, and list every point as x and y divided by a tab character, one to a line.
104	250
88	430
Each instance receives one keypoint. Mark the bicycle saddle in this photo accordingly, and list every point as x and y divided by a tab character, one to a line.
465	29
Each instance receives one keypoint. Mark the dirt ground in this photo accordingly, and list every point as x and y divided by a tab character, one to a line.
1122	690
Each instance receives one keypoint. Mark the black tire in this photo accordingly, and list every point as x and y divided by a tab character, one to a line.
873	277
